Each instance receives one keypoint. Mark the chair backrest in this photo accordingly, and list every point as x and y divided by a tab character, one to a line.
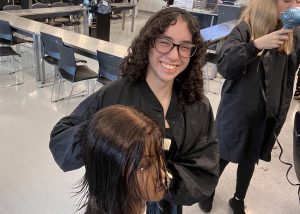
43	1
5	31
229	12
59	4
230	2
67	62
39	5
50	45
12	7
109	66
73	2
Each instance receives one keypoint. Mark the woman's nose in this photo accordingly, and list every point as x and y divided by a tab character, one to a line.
174	53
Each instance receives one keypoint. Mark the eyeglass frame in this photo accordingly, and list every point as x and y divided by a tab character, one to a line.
193	50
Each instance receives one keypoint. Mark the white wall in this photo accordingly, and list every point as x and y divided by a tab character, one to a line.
151	5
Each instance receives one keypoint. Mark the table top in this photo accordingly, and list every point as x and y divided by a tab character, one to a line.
77	41
122	6
199	11
217	32
49	10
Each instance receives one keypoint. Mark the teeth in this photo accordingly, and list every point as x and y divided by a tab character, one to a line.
167	66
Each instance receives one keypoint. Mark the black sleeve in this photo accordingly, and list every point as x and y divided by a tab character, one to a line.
236	53
66	136
297	44
196	173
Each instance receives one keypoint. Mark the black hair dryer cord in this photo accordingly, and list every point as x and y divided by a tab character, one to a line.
273	115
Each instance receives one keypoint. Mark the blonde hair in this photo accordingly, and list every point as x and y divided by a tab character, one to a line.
262	18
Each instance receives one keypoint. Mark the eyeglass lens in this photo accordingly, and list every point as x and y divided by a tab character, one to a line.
163	45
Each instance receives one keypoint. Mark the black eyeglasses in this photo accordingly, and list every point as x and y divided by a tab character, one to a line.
164	46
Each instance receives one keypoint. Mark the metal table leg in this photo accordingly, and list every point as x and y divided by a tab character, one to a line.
40	75
85	22
123	19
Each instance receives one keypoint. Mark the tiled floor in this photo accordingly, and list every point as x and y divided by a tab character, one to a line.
32	183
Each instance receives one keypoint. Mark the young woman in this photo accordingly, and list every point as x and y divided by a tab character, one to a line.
123	156
258	63
162	76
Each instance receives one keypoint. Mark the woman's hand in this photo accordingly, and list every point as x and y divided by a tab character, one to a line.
272	40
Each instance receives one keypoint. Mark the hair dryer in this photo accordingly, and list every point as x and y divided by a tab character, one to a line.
290	18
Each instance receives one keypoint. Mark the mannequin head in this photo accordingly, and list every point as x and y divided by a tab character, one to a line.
123	156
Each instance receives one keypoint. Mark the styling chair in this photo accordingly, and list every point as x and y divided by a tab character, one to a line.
22	38
229	2
67	21
50	54
42	1
39	5
109	68
46	21
214	80
7	41
12	7
72	72
226	13
229	12
10	54
7	38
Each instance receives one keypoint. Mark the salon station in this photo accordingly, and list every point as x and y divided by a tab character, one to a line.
91	37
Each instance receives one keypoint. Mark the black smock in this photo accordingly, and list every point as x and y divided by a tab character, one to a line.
194	165
245	123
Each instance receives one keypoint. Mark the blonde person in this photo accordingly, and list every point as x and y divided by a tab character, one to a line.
258	62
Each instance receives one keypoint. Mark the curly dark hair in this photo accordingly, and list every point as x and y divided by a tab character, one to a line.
189	84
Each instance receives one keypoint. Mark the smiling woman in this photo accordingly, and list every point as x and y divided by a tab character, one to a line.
161	75
123	156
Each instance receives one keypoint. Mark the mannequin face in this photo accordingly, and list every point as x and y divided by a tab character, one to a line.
151	185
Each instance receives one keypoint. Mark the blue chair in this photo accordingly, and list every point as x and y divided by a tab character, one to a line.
12	7
72	71
46	21
66	20
7	41
7	38
9	53
109	68
50	54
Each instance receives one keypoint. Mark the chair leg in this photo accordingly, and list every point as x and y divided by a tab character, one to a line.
59	85
210	76
53	85
94	86
51	82
52	92
88	87
15	71
69	98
